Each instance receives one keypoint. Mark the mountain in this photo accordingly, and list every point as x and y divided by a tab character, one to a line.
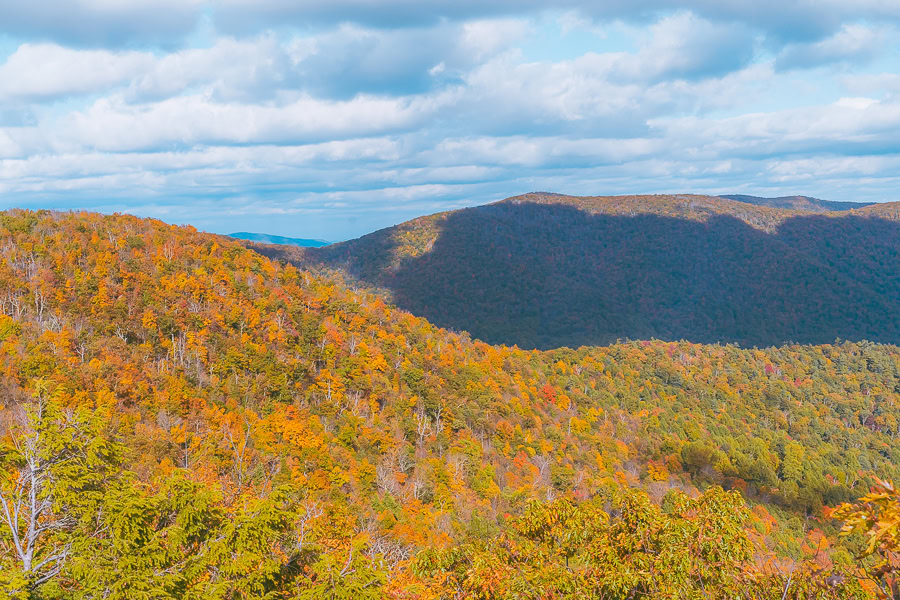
804	203
182	417
545	271
265	238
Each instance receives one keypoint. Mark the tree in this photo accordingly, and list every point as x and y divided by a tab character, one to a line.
877	517
55	467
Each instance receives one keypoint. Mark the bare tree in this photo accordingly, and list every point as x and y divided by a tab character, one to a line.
312	510
27	503
423	425
239	447
384	477
543	476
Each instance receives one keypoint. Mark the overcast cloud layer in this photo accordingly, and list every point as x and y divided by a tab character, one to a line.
332	118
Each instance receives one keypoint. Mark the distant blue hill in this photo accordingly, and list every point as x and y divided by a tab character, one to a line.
264	238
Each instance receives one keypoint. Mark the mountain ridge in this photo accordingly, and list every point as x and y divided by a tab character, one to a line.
571	271
805	203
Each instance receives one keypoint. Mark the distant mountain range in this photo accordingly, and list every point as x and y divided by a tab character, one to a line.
804	203
264	238
545	270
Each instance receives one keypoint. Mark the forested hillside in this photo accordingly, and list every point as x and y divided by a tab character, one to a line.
544	271
804	203
181	417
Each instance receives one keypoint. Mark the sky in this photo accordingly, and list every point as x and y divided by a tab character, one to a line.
329	119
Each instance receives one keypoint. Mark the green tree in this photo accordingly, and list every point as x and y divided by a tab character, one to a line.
56	468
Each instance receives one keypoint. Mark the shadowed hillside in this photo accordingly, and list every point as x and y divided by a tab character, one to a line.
546	271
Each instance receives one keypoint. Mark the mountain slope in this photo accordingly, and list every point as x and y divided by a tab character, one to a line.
544	271
265	238
804	203
259	428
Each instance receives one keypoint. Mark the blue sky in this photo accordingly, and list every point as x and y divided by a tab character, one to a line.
331	118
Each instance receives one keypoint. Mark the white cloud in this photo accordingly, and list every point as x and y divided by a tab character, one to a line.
36	71
830	167
351	60
591	96
535	152
854	42
168	22
244	15
8	147
887	84
684	46
115	125
255	68
229	68
101	22
483	39
806	20
850	125
341	63
235	159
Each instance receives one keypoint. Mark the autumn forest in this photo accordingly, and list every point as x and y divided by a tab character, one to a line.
185	415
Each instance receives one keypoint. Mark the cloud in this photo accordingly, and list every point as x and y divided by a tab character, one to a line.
249	69
872	83
229	69
853	43
246	15
259	158
851	126
599	95
353	60
8	146
541	152
804	20
684	46
167	23
108	23
115	125
343	63
48	71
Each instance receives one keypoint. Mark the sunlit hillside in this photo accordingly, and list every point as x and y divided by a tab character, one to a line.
804	203
204	422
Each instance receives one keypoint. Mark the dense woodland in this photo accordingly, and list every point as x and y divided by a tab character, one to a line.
182	417
804	203
544	271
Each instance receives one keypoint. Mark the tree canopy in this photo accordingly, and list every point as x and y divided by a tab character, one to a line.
182	417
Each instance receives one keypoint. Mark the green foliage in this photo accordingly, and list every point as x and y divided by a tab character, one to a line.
56	469
876	518
696	548
351	579
118	539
